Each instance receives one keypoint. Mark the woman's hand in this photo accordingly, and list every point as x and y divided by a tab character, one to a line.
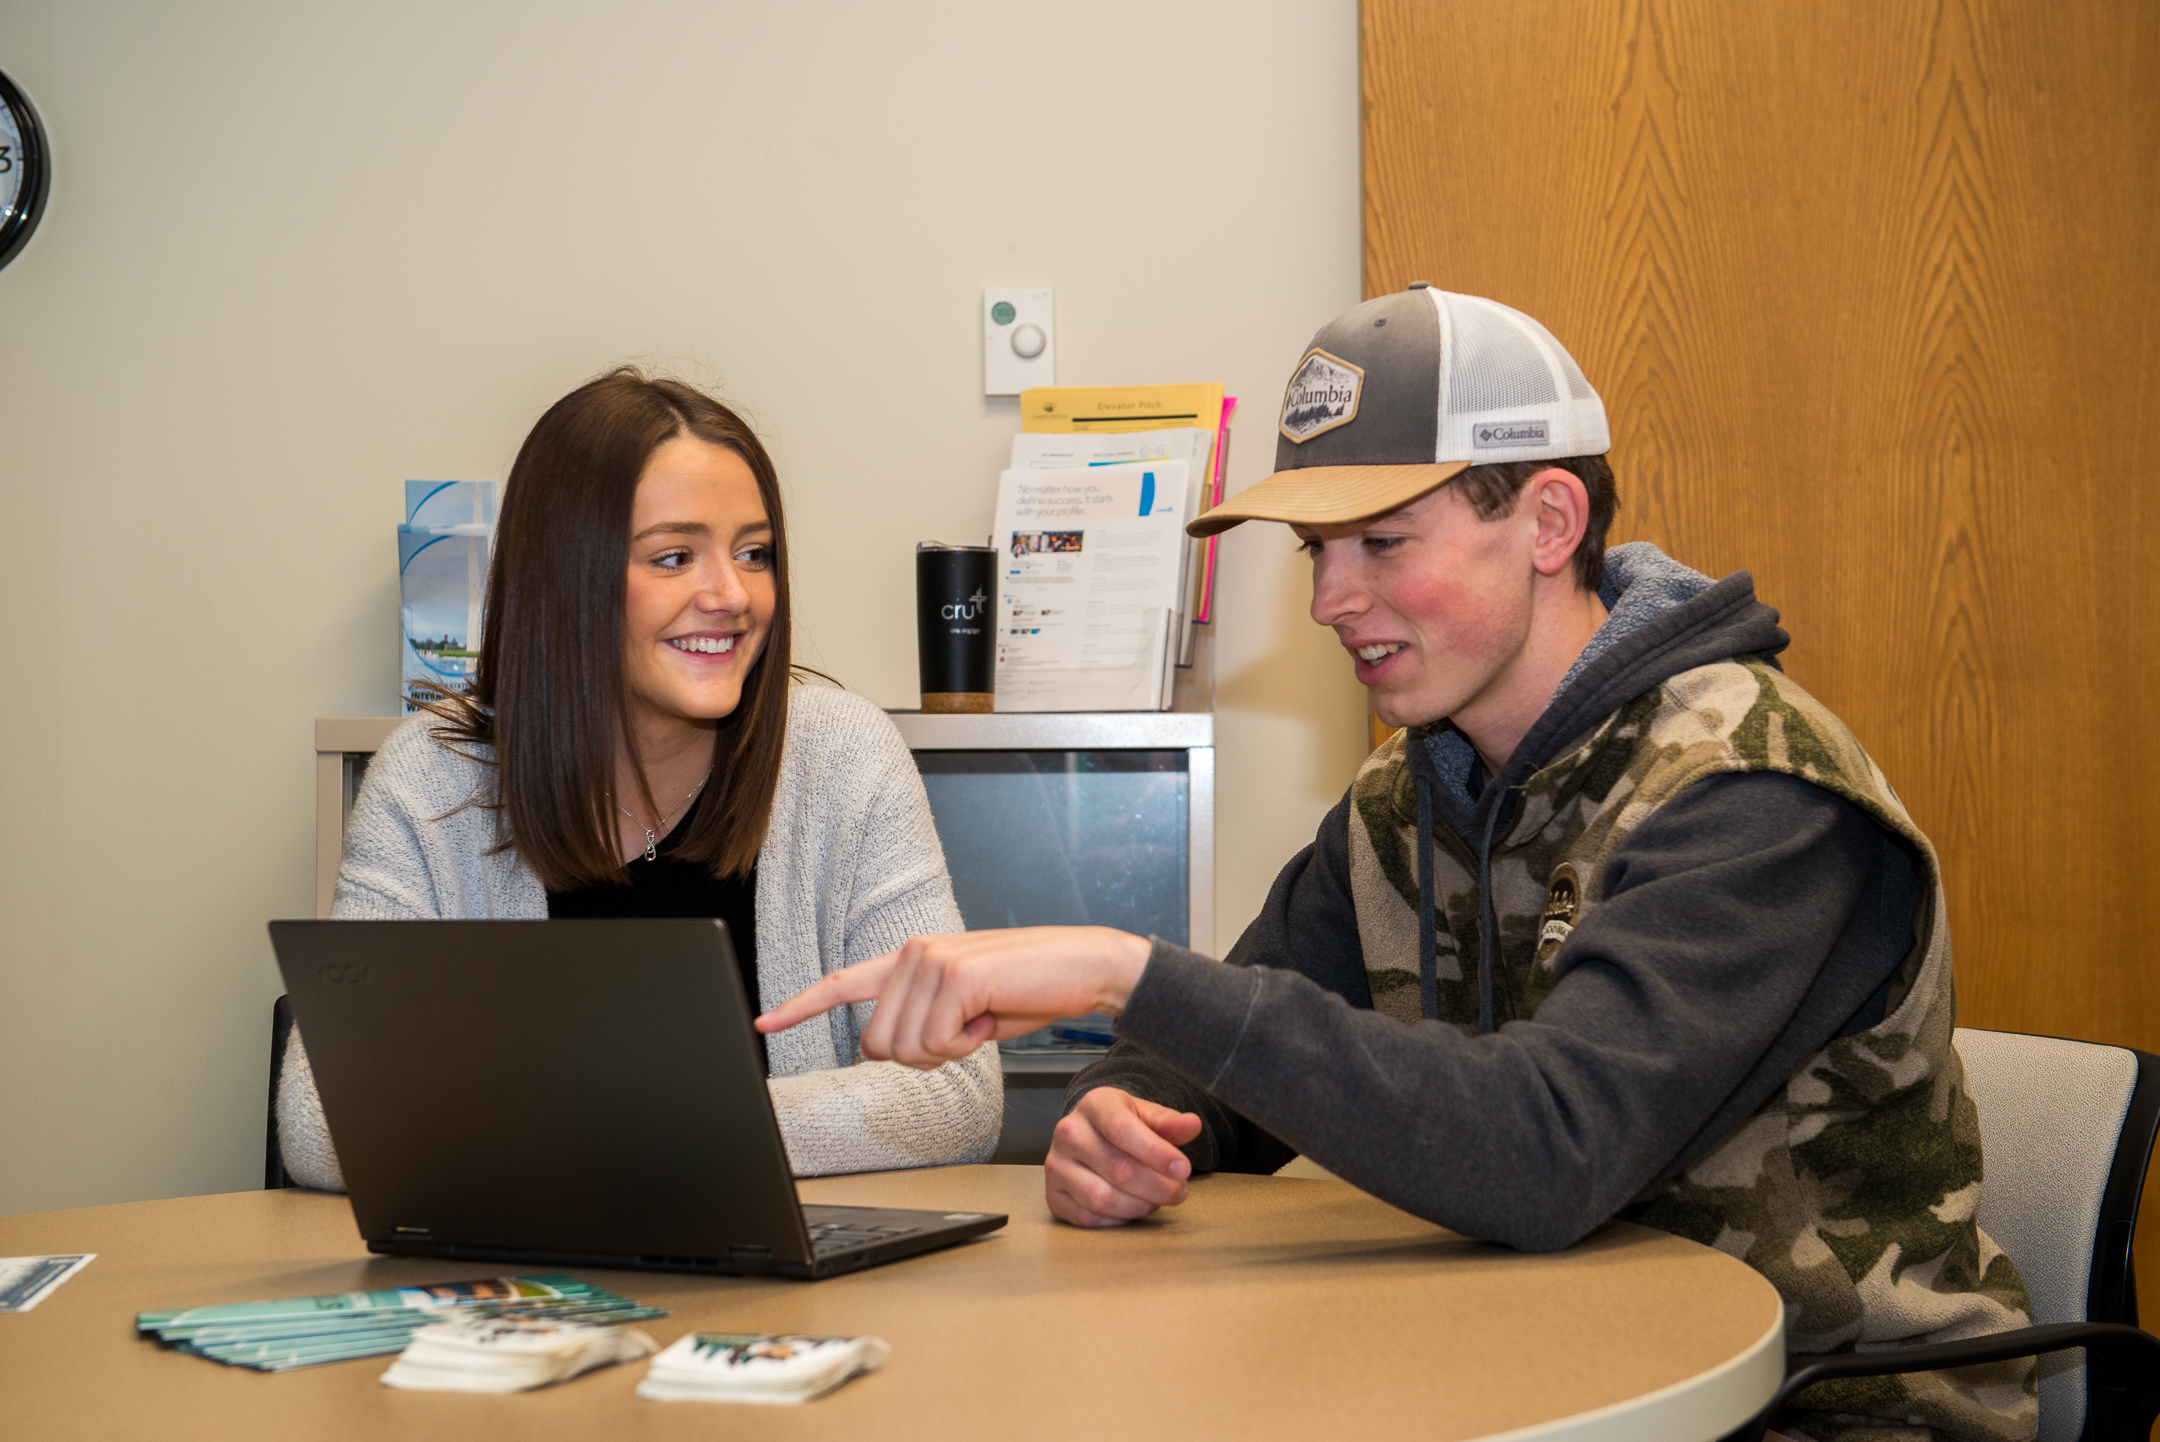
940	997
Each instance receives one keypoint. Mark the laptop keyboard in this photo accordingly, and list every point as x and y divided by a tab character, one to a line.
840	1237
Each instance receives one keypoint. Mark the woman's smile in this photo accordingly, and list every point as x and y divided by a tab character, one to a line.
717	645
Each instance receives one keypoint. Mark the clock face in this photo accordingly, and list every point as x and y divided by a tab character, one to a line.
25	173
12	173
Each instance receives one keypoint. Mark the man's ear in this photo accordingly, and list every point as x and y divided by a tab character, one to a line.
1562	505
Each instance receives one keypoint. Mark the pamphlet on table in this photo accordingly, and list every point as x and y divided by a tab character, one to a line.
510	1354
723	1367
289	1332
27	1281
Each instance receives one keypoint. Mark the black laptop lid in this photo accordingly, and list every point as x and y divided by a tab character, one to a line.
555	1086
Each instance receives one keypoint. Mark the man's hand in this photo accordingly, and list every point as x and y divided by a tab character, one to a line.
1115	1158
940	997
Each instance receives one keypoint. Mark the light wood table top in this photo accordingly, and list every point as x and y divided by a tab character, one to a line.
1264	1307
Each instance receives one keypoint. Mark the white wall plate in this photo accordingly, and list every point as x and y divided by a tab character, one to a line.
1019	341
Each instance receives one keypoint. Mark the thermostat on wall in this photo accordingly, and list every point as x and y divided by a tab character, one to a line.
1019	341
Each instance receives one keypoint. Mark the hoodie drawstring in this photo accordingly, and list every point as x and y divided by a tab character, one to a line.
1427	927
1428	938
1488	920
1428	950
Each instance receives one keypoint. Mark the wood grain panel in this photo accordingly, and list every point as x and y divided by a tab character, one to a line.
1871	293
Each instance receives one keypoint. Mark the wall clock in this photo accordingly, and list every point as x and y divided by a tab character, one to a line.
25	169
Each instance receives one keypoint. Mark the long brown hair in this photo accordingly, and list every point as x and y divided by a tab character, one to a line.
548	693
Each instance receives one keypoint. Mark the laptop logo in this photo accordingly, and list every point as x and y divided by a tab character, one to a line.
342	973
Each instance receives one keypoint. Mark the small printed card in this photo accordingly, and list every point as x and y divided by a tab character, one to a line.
508	1354
27	1281
726	1367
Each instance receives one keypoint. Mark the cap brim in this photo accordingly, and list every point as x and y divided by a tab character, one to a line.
1327	495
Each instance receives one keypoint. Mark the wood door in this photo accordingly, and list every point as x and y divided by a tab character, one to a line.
1872	294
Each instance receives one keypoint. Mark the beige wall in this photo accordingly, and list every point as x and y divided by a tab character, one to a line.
296	254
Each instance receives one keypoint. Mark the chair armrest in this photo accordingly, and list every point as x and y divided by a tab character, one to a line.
2133	1358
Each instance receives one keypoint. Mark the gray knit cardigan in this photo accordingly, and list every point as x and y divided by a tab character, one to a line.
850	869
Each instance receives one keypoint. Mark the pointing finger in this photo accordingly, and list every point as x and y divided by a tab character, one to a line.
860	982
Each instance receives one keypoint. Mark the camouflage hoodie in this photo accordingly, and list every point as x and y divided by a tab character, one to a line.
1682	961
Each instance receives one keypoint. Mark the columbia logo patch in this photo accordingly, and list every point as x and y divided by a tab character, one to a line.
1321	396
1497	435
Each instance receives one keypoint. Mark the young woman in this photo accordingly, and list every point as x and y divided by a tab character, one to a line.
635	743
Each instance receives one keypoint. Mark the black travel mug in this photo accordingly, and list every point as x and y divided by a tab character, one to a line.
956	626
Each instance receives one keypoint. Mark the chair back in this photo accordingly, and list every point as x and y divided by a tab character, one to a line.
281	1025
2053	1117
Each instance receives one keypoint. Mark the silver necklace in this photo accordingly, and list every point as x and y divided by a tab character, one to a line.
652	841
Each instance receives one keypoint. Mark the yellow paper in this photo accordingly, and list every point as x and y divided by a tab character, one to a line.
1121	408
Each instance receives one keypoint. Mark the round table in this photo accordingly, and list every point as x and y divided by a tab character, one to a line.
1264	1307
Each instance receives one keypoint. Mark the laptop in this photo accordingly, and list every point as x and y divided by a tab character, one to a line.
576	1092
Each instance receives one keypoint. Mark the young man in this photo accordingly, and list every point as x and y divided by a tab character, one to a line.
1624	923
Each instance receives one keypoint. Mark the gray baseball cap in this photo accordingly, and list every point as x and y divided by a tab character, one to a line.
1404	394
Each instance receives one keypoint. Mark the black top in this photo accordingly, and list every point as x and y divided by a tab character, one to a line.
667	885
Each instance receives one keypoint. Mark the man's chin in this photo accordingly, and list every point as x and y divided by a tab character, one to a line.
1399	711
1389	714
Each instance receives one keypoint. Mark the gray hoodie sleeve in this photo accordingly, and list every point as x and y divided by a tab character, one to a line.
1751	920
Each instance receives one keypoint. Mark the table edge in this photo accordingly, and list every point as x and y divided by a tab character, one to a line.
1707	1405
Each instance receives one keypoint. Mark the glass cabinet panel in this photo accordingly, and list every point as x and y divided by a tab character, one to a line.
1065	838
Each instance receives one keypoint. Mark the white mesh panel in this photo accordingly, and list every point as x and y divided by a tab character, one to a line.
1578	386
1500	368
1497	367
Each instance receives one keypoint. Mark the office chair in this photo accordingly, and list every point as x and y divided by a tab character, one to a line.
281	1024
2066	1131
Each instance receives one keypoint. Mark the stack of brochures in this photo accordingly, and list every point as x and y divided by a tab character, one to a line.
279	1335
723	1367
510	1354
1099	587
442	581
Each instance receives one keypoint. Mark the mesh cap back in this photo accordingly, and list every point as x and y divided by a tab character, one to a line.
1511	392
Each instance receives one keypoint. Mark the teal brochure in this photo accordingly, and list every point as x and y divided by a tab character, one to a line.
283	1333
442	583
